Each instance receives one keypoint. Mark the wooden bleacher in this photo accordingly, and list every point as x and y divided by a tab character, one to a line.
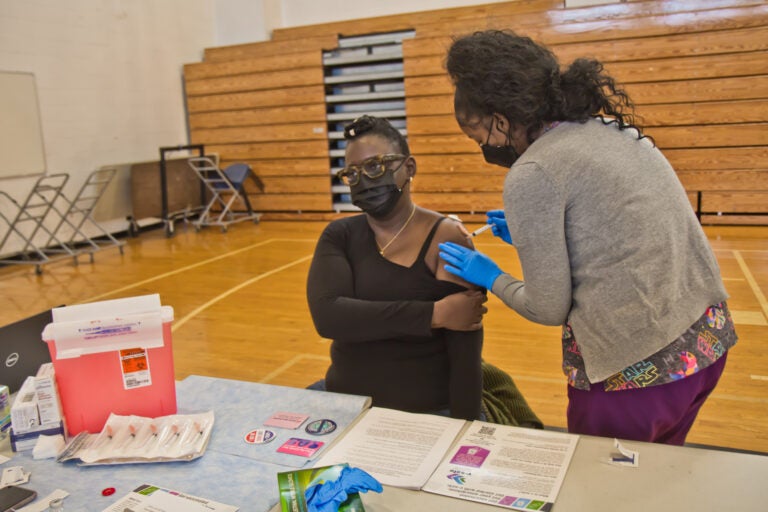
696	69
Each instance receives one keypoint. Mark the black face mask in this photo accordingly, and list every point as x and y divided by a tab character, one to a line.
504	156
377	201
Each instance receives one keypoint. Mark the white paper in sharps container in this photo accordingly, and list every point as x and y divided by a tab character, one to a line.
135	322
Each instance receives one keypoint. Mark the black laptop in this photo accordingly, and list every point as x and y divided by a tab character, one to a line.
22	349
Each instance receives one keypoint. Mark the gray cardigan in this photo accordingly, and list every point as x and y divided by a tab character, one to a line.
607	241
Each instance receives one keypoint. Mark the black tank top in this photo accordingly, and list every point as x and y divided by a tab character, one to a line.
410	372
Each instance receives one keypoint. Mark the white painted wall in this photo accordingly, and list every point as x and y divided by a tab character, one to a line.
241	21
108	78
310	12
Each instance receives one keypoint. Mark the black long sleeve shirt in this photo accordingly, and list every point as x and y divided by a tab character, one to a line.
379	314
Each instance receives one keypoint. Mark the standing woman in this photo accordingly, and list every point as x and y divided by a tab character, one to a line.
609	245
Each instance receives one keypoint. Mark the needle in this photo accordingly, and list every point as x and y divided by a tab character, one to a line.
480	230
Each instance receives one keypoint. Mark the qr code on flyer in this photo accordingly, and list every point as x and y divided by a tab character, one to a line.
487	431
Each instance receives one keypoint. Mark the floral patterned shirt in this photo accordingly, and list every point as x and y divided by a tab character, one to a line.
698	347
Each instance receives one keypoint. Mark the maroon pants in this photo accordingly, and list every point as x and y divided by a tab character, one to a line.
656	414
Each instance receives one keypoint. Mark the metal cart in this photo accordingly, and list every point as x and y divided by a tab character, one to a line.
79	214
29	220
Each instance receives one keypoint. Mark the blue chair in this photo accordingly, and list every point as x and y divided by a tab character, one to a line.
226	187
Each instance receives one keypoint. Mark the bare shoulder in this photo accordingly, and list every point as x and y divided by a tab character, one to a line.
449	230
453	230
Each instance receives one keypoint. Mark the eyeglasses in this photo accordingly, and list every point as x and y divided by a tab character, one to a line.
373	167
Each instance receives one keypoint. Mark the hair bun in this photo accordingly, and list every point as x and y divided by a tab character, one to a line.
359	126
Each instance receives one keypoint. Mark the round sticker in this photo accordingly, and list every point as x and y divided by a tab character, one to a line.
259	436
321	427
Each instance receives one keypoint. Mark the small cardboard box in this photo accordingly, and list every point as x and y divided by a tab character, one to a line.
5	409
24	413
48	402
112	357
27	440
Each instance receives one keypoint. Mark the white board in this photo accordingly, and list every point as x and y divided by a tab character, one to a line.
21	136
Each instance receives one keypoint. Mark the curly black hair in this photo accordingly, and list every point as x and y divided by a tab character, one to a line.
500	71
369	125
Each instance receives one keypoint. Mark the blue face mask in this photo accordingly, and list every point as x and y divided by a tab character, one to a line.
504	156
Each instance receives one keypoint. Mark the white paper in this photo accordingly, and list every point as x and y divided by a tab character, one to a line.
42	504
625	456
149	498
517	468
105	326
107	308
14	475
397	448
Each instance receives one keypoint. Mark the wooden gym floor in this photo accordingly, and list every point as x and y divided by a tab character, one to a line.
241	313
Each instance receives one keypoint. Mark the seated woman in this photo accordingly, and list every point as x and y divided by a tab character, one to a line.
405	331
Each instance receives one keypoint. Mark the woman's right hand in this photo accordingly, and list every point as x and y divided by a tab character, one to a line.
499	227
461	311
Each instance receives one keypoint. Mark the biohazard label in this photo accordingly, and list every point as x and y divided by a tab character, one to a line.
134	363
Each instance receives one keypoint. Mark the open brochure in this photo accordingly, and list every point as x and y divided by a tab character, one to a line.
397	448
517	468
511	467
150	498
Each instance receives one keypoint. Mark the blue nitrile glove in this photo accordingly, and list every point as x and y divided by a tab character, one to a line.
500	229
472	266
327	497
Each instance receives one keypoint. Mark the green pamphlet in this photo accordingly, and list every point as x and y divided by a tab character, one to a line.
293	484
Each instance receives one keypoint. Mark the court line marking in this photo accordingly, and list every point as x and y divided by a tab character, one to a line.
195	265
313	240
752	282
741	250
180	270
758	377
738	398
748	317
295	359
202	307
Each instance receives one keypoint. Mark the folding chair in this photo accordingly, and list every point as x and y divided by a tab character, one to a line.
226	187
79	213
34	211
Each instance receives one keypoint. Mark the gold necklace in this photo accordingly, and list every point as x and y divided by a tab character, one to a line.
382	249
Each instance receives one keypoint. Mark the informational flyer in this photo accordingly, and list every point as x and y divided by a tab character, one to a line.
150	498
397	448
514	468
